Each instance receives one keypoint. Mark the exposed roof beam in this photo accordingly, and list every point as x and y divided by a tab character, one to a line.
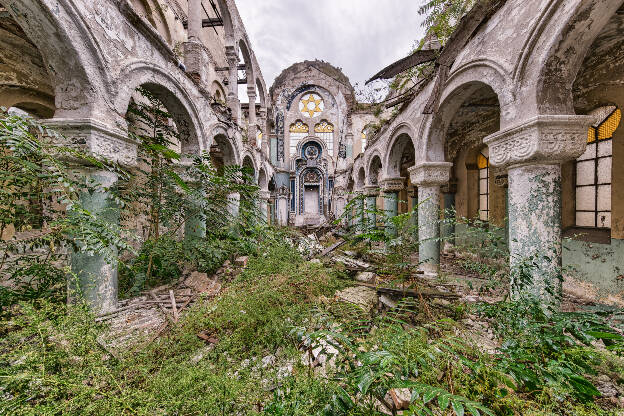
210	22
417	58
241	67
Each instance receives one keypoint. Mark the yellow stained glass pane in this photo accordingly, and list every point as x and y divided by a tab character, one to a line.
363	135
482	162
591	135
299	127
324	127
606	129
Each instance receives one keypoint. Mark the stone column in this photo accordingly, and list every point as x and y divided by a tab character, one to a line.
428	177
194	20
233	102
359	214
532	152
371	206
195	224
283	199
414	213
264	147
233	204
96	278
252	123
263	197
447	229
391	188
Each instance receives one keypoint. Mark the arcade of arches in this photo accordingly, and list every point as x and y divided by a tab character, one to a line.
518	131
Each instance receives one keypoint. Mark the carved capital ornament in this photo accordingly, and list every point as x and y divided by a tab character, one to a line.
542	139
430	173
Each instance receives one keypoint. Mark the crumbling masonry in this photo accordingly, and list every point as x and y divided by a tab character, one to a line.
518	125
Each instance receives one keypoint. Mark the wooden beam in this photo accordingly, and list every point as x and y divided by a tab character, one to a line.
210	22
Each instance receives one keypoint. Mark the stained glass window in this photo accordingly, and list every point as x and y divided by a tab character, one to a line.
325	131
259	138
311	105
298	130
593	172
483	163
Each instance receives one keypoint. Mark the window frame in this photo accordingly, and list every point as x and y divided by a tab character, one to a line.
596	184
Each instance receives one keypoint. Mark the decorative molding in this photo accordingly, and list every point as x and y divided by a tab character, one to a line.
371	190
430	173
392	184
545	138
97	138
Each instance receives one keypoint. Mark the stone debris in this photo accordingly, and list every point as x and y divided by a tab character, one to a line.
351	263
241	261
387	301
309	246
366	277
401	398
316	261
362	296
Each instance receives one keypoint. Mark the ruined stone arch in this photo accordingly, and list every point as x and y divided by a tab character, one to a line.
250	163
360	179
67	47
173	95
218	92
374	168
401	137
228	26
263	182
497	79
435	128
223	149
152	11
553	55
261	92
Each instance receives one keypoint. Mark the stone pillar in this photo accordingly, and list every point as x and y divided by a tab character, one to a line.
264	146
233	204
428	177
414	213
371	206
233	102
194	20
195	224
358	219
533	152
283	199
447	229
391	188
252	123
96	277
263	197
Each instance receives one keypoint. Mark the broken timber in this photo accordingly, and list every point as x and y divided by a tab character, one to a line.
406	293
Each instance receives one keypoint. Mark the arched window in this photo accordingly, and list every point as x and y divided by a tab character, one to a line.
259	138
483	163
298	130
367	133
593	172
325	131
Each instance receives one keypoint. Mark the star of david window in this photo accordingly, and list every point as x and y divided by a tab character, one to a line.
311	105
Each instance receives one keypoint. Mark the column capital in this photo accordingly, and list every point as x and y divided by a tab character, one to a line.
231	56
264	194
96	138
430	173
550	139
371	190
392	184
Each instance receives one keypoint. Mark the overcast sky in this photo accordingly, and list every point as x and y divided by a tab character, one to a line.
359	36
